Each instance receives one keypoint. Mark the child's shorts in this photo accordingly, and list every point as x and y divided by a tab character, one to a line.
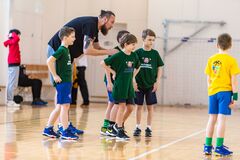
150	96
127	101
110	97
219	103
64	92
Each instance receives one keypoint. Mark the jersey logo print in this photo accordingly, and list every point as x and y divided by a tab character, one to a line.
216	67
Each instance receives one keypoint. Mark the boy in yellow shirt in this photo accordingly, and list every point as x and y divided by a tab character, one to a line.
222	70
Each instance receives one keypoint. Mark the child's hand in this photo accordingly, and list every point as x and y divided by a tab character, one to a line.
109	86
135	86
232	104
57	79
155	86
114	75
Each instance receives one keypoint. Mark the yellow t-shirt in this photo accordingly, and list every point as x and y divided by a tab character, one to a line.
220	68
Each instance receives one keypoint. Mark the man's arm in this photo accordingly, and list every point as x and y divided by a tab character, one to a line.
89	49
96	45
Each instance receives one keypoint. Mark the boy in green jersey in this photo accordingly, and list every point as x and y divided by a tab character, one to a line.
147	80
122	65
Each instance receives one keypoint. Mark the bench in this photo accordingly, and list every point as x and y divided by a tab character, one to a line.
37	71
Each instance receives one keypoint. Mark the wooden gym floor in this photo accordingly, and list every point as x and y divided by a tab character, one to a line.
178	134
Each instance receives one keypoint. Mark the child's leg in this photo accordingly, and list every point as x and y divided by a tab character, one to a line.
119	118
113	114
54	115
127	112
108	110
64	115
149	115
210	129
220	129
138	115
13	74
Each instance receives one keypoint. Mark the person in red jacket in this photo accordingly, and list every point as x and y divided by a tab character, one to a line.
14	61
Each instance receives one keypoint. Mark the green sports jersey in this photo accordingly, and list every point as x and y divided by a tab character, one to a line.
105	77
150	61
123	65
63	64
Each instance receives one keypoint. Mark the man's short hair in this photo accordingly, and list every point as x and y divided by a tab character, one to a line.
106	13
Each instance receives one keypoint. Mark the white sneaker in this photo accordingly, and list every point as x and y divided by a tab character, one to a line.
12	104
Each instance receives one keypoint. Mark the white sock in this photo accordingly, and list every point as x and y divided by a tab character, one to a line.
148	126
138	126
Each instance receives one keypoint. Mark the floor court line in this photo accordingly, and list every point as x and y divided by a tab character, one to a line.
167	145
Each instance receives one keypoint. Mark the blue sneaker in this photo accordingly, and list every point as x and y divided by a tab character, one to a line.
60	129
222	151
74	130
68	135
207	150
39	103
49	132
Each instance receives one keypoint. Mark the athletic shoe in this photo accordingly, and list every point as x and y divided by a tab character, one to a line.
121	135
137	132
12	104
68	135
74	130
49	132
148	132
111	131
103	131
207	150
222	151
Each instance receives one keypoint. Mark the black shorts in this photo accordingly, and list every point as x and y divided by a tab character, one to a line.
127	101
150	96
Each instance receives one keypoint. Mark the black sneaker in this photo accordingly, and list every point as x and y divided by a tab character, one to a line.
137	132
111	131
148	132
121	135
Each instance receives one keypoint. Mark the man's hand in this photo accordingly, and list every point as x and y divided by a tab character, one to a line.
112	51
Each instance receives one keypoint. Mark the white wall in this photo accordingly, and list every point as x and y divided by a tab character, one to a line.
4	16
184	69
39	20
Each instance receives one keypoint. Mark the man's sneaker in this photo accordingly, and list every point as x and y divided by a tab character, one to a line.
12	104
68	135
121	135
39	102
103	131
137	132
49	132
74	130
222	151
111	131
207	150
148	132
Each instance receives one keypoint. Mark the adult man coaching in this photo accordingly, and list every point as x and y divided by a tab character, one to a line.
87	29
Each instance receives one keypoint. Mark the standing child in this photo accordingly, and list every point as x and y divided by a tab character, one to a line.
62	75
148	80
122	66
111	111
14	61
222	70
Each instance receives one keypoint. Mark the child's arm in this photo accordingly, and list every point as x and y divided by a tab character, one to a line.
234	90
108	69
51	66
158	80
135	72
109	81
208	81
